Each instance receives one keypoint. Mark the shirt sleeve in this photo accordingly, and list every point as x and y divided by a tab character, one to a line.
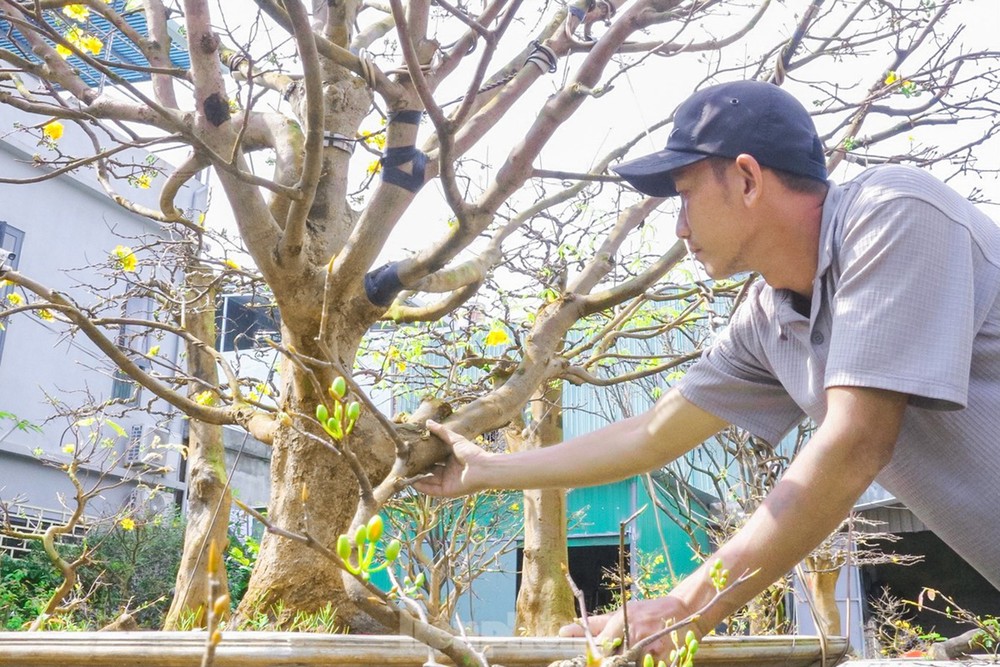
903	310
733	381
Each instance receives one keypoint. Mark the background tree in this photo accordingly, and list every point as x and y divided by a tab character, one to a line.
318	213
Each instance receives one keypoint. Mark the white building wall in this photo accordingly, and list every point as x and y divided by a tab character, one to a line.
68	222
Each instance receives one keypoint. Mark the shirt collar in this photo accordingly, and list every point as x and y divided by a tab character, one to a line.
827	228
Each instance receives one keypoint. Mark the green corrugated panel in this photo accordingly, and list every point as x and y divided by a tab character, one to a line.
604	507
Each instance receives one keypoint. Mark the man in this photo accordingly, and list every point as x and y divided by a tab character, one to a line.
878	317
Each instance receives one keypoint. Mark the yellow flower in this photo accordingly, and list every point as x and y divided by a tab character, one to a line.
374	139
143	180
497	337
124	258
891	78
374	167
15	299
78	12
232	265
53	131
69	448
206	397
127	524
153	351
92	44
46	314
81	41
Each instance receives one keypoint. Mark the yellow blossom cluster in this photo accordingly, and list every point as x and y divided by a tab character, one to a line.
124	258
82	40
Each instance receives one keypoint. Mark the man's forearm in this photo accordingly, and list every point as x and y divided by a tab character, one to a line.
610	454
817	491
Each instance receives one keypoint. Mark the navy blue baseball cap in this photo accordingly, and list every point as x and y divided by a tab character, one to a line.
728	119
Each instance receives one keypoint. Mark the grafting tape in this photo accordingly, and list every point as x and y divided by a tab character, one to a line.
382	284
394	158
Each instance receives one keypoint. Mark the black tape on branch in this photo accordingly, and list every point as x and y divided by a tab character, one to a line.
543	57
394	158
382	284
410	116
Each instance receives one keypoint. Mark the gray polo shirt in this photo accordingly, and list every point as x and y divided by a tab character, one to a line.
905	298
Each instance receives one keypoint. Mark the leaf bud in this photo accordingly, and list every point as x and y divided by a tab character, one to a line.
221	605
343	547
353	411
322	414
339	387
361	535
375	528
392	550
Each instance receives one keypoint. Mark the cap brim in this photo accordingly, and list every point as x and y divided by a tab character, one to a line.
650	174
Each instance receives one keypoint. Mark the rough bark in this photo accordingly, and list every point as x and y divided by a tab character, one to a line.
209	499
545	600
288	576
821	578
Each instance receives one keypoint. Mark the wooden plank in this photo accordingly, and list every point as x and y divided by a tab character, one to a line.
281	649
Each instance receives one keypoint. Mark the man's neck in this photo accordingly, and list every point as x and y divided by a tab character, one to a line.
793	256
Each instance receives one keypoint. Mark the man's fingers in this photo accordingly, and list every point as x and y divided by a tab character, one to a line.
445	434
596	623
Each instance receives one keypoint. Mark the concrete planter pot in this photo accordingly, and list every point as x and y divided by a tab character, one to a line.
283	649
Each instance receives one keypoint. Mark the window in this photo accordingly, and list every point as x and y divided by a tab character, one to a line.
11	239
245	322
124	389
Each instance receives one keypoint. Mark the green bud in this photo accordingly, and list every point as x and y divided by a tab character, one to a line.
375	527
339	387
419	581
322	414
343	547
392	550
693	646
361	535
334	428
353	411
648	661
689	637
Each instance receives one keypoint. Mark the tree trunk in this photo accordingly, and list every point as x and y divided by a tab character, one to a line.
208	498
545	601
821	576
314	492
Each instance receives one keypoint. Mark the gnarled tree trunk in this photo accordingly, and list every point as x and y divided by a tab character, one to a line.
209	499
545	600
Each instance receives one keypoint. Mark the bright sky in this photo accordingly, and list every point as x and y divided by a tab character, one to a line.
642	96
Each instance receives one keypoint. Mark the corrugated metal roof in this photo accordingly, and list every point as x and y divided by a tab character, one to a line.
117	47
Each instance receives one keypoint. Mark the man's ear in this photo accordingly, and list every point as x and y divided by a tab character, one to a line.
751	176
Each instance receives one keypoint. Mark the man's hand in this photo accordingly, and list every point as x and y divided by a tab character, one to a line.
645	617
457	475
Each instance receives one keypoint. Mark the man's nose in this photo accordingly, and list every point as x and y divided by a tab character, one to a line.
681	228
